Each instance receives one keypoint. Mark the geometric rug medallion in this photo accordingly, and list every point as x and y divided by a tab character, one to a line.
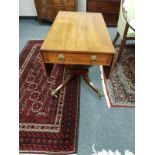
120	89
46	124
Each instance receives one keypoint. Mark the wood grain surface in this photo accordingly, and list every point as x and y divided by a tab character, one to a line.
78	32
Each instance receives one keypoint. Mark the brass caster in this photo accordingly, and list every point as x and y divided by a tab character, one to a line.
53	93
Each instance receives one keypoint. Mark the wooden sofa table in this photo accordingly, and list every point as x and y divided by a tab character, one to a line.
78	40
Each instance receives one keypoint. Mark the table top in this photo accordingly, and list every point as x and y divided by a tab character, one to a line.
78	32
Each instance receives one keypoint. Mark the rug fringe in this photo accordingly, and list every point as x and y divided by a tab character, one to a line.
109	152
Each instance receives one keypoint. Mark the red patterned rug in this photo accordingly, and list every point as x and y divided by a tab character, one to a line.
46	124
120	89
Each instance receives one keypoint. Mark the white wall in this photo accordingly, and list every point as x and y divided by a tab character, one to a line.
27	7
82	5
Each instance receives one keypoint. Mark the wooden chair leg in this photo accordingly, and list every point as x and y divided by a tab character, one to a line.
121	48
123	41
116	38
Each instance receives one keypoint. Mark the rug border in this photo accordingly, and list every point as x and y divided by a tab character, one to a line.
106	93
76	134
74	151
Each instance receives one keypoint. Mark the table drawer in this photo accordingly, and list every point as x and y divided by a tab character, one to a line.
70	58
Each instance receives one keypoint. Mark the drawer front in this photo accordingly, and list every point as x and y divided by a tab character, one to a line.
42	2
85	59
101	6
53	10
62	2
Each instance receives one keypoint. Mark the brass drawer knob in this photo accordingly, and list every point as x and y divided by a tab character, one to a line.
93	59
61	57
